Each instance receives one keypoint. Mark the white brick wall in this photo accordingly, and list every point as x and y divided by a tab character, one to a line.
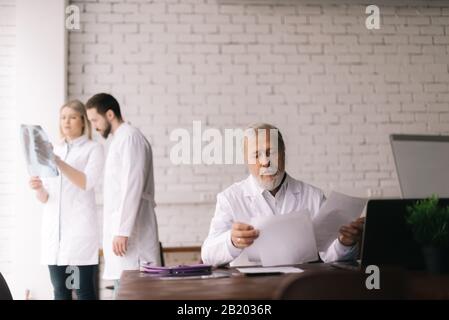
336	89
7	40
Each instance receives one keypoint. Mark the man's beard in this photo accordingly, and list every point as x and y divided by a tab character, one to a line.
272	183
106	131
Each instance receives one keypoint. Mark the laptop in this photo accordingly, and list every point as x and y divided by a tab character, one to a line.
387	239
421	164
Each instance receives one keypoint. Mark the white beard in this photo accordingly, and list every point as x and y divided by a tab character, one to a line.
273	183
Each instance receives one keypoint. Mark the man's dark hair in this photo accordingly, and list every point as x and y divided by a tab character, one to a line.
104	102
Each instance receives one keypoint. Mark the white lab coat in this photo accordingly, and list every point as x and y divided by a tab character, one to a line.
129	202
244	200
70	221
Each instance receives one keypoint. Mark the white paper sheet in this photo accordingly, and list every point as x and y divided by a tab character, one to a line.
284	239
338	210
270	270
252	251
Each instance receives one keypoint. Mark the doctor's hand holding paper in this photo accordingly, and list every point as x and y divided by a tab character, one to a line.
269	192
243	235
44	151
351	234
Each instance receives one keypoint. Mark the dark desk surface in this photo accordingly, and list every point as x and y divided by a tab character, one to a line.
426	286
135	285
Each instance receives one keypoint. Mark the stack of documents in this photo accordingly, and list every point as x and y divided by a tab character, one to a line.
338	210
297	237
283	240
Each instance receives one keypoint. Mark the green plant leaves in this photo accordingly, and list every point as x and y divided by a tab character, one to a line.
429	222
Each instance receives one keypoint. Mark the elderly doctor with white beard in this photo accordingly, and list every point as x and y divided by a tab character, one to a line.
130	227
268	190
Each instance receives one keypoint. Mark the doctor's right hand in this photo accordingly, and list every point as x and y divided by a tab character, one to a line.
36	183
120	246
243	235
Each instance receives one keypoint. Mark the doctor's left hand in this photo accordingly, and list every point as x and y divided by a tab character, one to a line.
352	233
44	151
120	245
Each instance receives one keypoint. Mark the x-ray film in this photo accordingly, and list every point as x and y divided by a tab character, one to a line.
38	152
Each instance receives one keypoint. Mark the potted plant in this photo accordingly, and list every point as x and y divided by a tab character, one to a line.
429	223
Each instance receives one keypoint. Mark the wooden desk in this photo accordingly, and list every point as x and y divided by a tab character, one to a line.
135	285
139	286
423	286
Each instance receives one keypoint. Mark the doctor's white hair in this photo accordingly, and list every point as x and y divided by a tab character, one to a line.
255	127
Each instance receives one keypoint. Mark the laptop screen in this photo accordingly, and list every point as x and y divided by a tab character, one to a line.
422	164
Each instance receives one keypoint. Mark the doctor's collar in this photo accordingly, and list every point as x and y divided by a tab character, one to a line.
257	189
120	128
76	141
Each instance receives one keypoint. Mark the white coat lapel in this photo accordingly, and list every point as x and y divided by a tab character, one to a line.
258	205
292	196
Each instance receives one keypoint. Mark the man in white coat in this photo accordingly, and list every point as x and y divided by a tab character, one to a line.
130	234
268	190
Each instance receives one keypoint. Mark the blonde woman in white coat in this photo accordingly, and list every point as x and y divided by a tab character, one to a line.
70	232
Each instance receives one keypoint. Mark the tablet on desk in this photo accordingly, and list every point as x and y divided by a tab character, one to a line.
262	274
268	271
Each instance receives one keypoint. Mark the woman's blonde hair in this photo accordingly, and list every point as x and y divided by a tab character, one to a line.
79	107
